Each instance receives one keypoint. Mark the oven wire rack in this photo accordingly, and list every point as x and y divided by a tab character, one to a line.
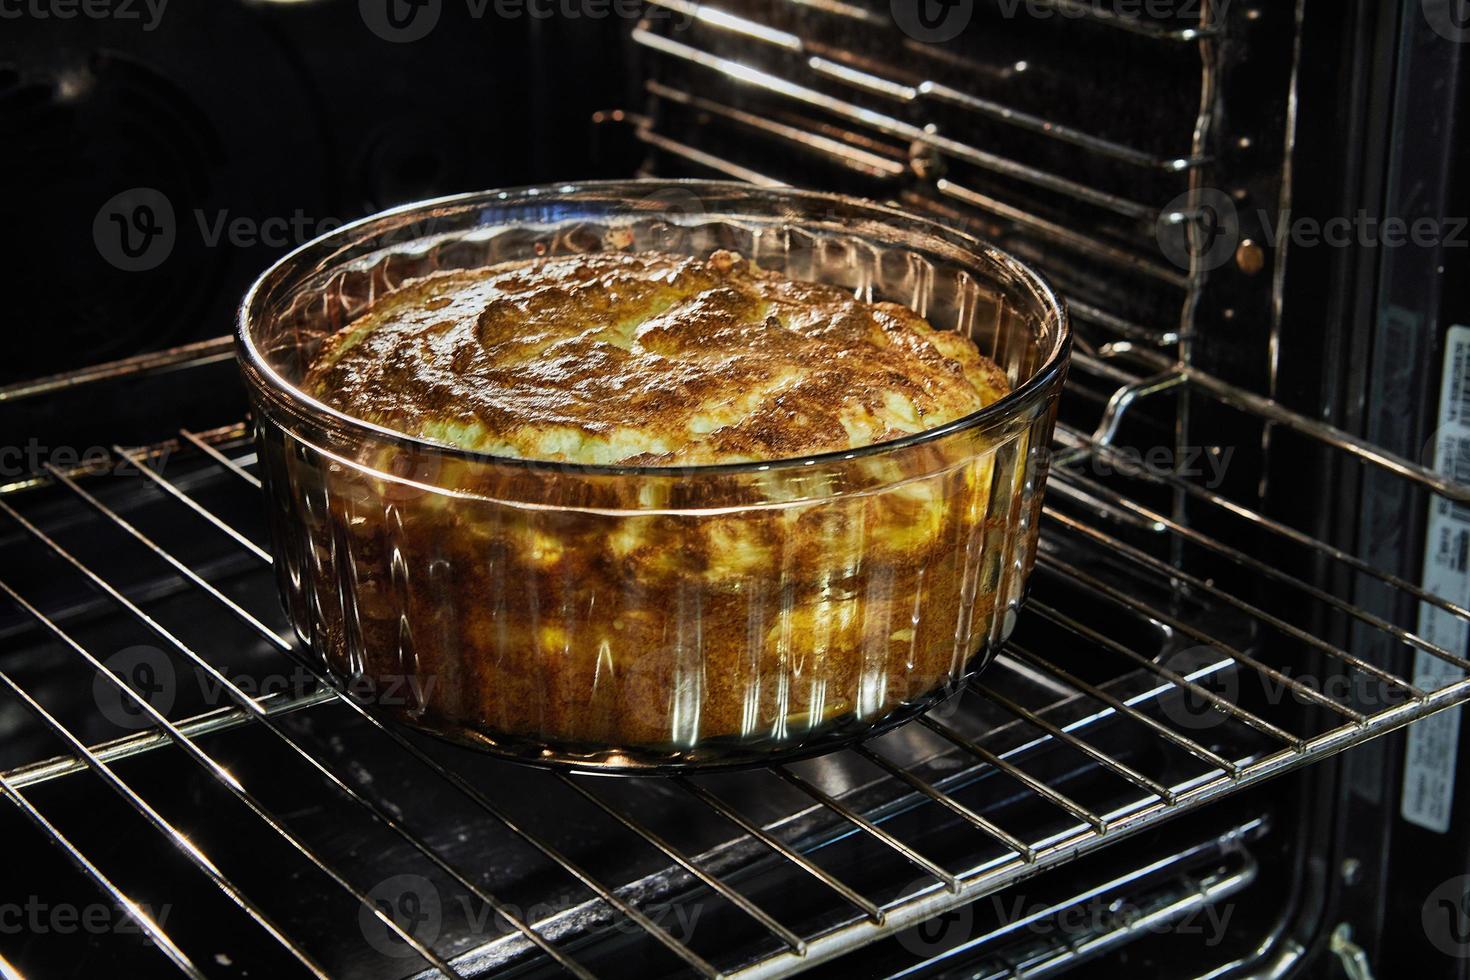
1080	508
875	117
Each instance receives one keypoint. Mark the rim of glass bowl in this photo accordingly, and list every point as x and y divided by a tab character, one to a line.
305	261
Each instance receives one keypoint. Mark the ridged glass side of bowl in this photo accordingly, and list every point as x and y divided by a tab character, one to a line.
645	618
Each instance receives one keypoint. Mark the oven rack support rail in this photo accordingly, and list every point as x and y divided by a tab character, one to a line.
1143	799
896	122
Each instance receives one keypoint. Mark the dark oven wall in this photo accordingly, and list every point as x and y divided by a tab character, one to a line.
158	155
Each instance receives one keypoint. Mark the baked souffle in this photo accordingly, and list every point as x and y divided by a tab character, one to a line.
635	615
647	359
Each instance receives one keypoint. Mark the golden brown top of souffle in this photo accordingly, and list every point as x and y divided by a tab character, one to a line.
647	358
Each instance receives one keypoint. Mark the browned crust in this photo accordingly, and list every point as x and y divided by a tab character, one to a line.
647	358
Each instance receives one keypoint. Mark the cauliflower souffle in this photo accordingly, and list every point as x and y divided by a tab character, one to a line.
647	358
645	616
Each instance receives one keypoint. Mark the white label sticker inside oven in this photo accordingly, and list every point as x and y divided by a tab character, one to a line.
1429	758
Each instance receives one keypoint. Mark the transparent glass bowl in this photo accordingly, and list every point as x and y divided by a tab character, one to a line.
654	618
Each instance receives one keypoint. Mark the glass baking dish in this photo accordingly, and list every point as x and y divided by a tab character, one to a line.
629	618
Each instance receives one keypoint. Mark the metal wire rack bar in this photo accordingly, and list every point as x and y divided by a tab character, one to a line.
926	90
1068	238
1119	257
1081	310
874	913
170	833
707	160
1230	880
223	777
208	723
1010	840
839	152
1240	656
868	827
211	351
776	85
1037	786
250	704
1142	470
1101	639
1115	766
1174	375
1124	708
1256	565
791	939
74	854
253	707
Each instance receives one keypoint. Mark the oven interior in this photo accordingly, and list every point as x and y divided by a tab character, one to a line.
1146	780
